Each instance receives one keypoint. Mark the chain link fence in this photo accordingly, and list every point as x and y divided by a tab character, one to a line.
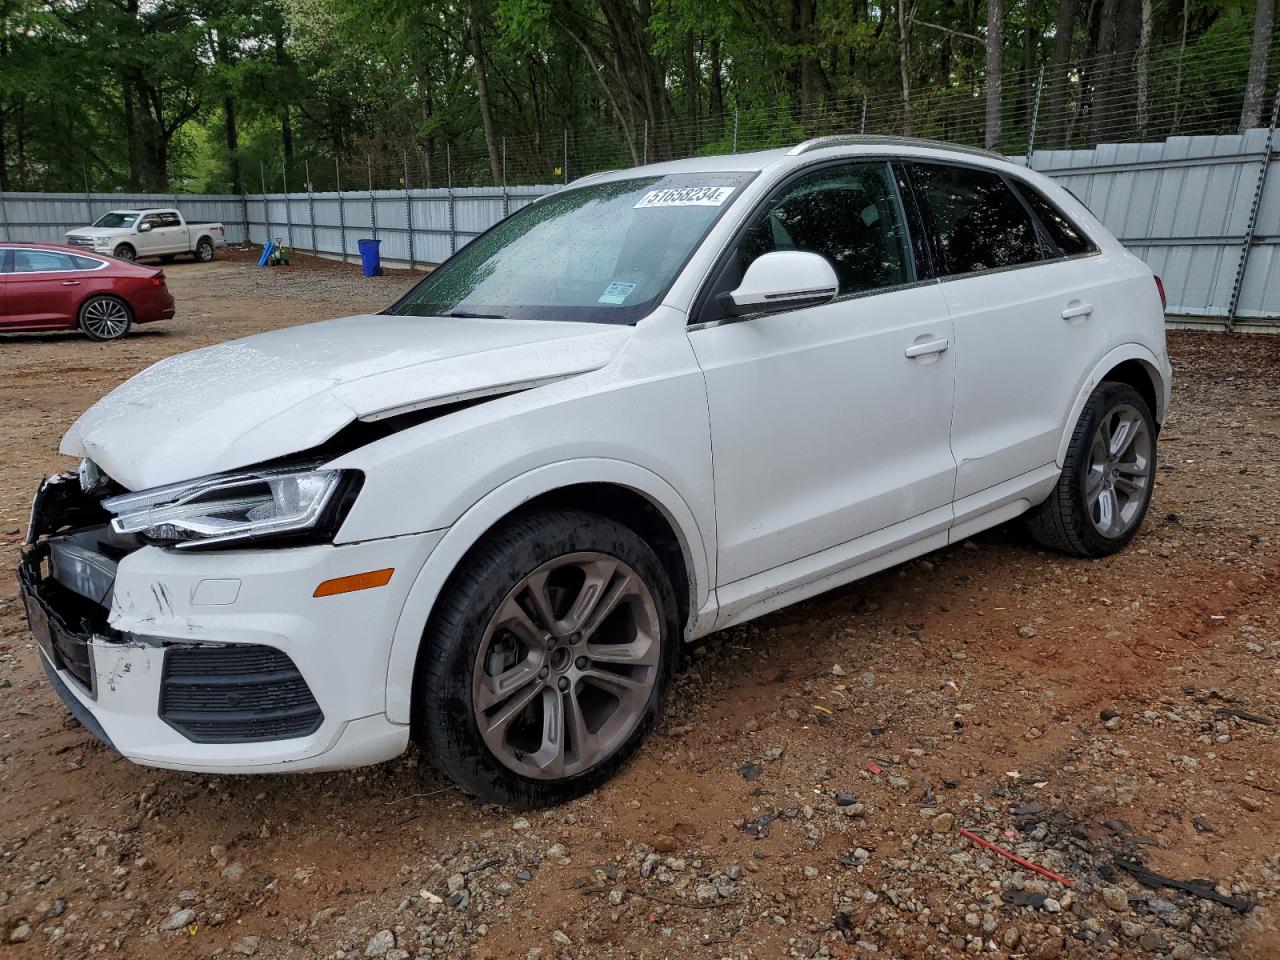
1172	91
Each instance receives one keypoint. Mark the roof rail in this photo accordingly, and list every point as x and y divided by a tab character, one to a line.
872	140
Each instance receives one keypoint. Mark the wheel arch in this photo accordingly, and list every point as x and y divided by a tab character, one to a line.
1133	364
622	491
124	243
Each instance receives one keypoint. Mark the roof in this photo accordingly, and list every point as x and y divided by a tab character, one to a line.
763	159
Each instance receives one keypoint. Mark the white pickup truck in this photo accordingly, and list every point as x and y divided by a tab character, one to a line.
160	232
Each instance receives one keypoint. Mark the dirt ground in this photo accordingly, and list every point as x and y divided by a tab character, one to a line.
804	793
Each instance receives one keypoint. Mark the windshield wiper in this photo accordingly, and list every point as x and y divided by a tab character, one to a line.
463	315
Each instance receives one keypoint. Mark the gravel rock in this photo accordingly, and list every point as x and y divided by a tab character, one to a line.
1115	899
382	942
179	919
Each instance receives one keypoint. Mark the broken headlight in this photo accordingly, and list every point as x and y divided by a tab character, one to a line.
229	509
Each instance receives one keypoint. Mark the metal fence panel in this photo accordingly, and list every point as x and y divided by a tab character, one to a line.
1183	205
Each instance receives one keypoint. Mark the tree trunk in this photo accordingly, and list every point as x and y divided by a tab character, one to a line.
482	91
1104	103
904	68
131	135
233	143
717	87
1057	101
691	93
1144	67
1256	87
286	128
995	68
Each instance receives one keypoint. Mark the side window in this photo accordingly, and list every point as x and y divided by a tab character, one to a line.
848	214
170	220
155	219
1071	240
40	261
978	222
85	263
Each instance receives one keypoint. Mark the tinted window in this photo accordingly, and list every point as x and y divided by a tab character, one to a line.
155	219
40	261
116	220
85	263
848	214
602	252
978	222
1069	238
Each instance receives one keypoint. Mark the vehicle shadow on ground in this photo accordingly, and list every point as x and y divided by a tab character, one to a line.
53	336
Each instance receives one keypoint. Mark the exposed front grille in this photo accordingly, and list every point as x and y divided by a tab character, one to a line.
77	241
236	694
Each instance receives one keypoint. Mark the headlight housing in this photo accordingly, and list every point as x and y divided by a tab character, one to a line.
284	504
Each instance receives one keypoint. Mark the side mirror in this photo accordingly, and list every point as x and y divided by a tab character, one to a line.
783	280
144	228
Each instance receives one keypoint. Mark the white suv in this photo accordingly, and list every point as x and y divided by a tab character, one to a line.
652	405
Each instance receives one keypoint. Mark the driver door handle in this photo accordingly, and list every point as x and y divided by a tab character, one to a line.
71	283
924	349
1077	311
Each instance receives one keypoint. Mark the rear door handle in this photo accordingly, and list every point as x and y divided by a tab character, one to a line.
1077	310
71	283
926	348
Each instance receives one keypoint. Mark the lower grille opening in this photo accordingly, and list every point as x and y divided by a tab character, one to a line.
236	694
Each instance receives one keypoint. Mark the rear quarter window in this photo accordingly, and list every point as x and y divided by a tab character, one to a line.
1070	239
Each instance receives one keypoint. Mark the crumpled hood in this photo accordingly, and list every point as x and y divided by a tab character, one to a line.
269	395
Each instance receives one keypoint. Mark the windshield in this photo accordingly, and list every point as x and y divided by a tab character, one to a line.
116	219
603	252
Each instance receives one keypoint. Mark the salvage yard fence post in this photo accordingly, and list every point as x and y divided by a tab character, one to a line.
342	212
1251	227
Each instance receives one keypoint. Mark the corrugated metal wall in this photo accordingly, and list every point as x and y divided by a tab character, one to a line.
1184	205
46	217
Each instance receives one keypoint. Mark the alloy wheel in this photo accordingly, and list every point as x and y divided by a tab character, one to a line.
567	665
1118	479
105	318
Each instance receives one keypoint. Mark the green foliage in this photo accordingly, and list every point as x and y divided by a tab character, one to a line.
218	95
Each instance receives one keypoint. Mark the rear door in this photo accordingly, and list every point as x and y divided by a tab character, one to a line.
1027	325
831	422
43	288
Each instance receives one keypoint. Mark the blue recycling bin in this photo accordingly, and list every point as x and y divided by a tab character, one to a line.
370	259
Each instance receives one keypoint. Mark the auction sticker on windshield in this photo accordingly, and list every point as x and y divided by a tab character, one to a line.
616	292
685	197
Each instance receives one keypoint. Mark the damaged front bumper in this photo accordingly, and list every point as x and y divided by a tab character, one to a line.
220	661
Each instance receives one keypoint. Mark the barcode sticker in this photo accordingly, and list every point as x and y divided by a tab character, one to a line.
685	197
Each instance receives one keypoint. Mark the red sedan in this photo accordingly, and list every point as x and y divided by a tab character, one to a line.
45	286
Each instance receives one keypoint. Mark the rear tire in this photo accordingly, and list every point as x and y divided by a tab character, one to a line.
546	660
105	318
1106	483
204	250
125	252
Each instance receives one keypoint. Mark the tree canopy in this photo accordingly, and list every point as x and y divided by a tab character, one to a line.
232	95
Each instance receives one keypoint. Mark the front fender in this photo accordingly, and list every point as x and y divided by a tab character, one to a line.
482	516
1157	368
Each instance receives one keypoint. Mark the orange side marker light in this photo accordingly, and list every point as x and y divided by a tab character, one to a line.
357	581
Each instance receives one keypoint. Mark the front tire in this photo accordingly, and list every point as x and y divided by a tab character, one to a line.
1105	487
547	659
125	252
105	318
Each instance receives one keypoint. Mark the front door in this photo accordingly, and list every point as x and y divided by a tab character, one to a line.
831	422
